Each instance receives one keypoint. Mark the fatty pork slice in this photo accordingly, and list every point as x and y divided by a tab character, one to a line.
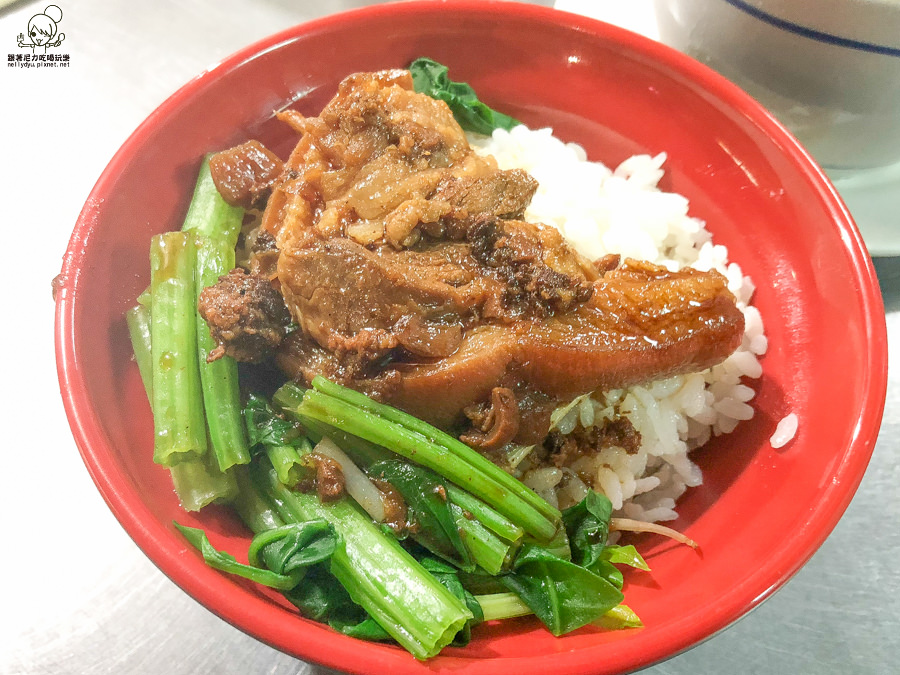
352	299
642	323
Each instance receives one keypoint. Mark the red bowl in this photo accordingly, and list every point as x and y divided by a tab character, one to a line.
760	514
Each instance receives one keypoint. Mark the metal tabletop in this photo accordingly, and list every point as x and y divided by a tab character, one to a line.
78	595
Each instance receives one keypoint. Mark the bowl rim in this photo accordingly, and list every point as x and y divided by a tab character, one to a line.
262	619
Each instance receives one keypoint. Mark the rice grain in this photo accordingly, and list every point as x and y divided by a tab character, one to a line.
621	210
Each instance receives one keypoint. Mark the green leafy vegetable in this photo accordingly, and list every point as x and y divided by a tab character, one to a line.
558	546
625	555
197	482
427	506
208	214
440	438
496	523
214	225
355	413
587	524
219	378
492	553
254	508
505	605
619	617
138	320
502	605
367	629
289	462
430	77
481	583
377	573
292	547
560	593
265	426
282	440
322	598
201	482
290	543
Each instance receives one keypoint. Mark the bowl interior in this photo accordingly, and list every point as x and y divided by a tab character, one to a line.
760	513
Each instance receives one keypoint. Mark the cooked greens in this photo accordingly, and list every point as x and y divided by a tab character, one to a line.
430	77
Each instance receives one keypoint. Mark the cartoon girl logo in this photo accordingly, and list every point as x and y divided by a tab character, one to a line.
43	30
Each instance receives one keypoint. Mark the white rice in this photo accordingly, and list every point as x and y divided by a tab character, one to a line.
785	431
602	211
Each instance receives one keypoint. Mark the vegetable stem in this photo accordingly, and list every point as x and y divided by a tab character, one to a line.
138	320
253	508
502	606
200	482
215	225
195	483
288	463
421	449
496	523
497	606
179	425
256	511
404	599
486	548
289	397
208	214
442	439
219	378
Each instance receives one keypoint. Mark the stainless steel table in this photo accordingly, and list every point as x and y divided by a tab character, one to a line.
78	596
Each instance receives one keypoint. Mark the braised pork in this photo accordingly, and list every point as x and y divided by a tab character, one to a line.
244	175
641	323
246	315
402	256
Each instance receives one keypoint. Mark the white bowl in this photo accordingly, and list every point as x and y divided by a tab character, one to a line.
829	69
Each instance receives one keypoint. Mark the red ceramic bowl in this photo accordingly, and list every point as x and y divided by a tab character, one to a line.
760	513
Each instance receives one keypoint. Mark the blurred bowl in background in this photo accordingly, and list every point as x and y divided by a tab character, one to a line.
829	70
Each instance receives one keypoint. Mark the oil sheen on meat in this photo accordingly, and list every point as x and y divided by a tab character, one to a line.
402	257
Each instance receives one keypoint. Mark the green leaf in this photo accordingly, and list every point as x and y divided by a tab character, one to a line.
619	617
287	551
625	555
289	548
227	563
367	629
427	506
266	427
377	573
560	593
608	571
430	77
321	597
418	441
587	524
481	583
